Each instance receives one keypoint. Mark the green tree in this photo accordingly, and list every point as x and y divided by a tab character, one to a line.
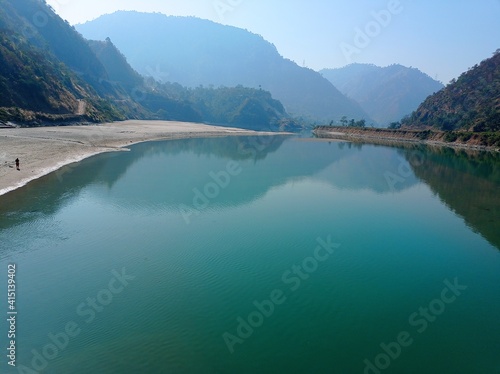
360	123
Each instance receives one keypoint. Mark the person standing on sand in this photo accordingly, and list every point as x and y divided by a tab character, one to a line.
17	164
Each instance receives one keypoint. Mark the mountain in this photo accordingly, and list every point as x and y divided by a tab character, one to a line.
234	106
115	64
195	52
469	103
239	106
140	94
385	93
40	86
50	74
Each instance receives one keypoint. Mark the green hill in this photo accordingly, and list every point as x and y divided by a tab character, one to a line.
470	103
48	69
29	80
37	88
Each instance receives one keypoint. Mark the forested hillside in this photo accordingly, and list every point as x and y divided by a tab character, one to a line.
50	74
28	79
470	103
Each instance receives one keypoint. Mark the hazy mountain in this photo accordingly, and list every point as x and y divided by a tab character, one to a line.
116	65
196	52
235	106
472	102
50	74
143	95
386	94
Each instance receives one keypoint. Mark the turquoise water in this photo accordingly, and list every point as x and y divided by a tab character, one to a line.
257	255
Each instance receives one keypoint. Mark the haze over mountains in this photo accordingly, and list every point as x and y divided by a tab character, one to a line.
50	74
152	66
387	94
195	52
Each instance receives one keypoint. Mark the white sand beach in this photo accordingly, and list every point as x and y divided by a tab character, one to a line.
43	150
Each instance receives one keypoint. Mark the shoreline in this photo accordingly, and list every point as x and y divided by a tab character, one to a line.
388	137
43	150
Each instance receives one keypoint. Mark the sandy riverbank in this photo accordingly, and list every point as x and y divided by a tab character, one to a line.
42	150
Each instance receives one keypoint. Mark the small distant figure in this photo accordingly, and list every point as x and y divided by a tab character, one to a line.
17	164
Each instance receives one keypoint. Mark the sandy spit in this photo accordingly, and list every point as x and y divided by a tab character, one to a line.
43	150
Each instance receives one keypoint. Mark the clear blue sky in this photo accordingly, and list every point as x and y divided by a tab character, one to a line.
443	38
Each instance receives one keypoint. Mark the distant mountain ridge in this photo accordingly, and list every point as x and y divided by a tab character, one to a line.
469	103
50	74
385	93
195	52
